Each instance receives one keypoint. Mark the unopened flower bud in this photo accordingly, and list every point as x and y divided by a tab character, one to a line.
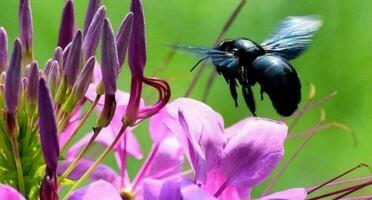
25	27
66	30
110	63
72	65
91	38
3	49
32	87
91	11
122	38
13	78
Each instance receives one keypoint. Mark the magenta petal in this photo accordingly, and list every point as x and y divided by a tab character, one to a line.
200	132
70	128
96	190
161	190
191	191
9	193
121	97
250	156
167	161
101	172
157	128
291	194
105	138
216	179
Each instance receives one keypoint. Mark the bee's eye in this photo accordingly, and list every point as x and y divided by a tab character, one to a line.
234	50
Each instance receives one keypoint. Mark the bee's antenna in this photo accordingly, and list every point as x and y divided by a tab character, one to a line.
201	60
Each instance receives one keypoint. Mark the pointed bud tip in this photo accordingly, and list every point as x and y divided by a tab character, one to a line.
13	78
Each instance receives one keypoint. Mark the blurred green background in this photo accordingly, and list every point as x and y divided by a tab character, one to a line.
339	59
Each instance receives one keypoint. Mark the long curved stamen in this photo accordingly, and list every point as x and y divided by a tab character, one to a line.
164	95
337	177
346	191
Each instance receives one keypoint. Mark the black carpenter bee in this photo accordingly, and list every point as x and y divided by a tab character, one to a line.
245	62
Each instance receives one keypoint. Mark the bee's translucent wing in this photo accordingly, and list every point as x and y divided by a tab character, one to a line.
219	58
292	36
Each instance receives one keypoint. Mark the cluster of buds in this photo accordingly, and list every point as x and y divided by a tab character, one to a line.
41	107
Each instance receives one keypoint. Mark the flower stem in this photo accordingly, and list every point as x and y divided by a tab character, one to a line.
225	28
17	159
82	122
80	155
98	161
145	166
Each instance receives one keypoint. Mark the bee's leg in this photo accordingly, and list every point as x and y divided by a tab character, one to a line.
233	92
249	99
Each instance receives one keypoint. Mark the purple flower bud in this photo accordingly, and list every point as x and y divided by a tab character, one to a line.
49	142
58	55
137	42
91	11
122	38
53	76
3	49
47	66
72	65
13	78
85	78
49	187
66	30
93	35
48	127
110	63
65	53
25	27
33	83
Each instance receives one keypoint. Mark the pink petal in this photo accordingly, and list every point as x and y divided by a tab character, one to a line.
102	171
168	159
203	142
191	191
216	179
9	193
70	128
291	194
96	190
121	97
105	138
250	156
97	76
161	190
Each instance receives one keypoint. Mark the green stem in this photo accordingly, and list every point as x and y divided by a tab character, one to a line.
17	159
82	122
82	153
97	162
225	28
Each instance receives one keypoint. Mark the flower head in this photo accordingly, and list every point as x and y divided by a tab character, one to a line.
227	162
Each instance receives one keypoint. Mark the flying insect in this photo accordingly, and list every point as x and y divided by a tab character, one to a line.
245	62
